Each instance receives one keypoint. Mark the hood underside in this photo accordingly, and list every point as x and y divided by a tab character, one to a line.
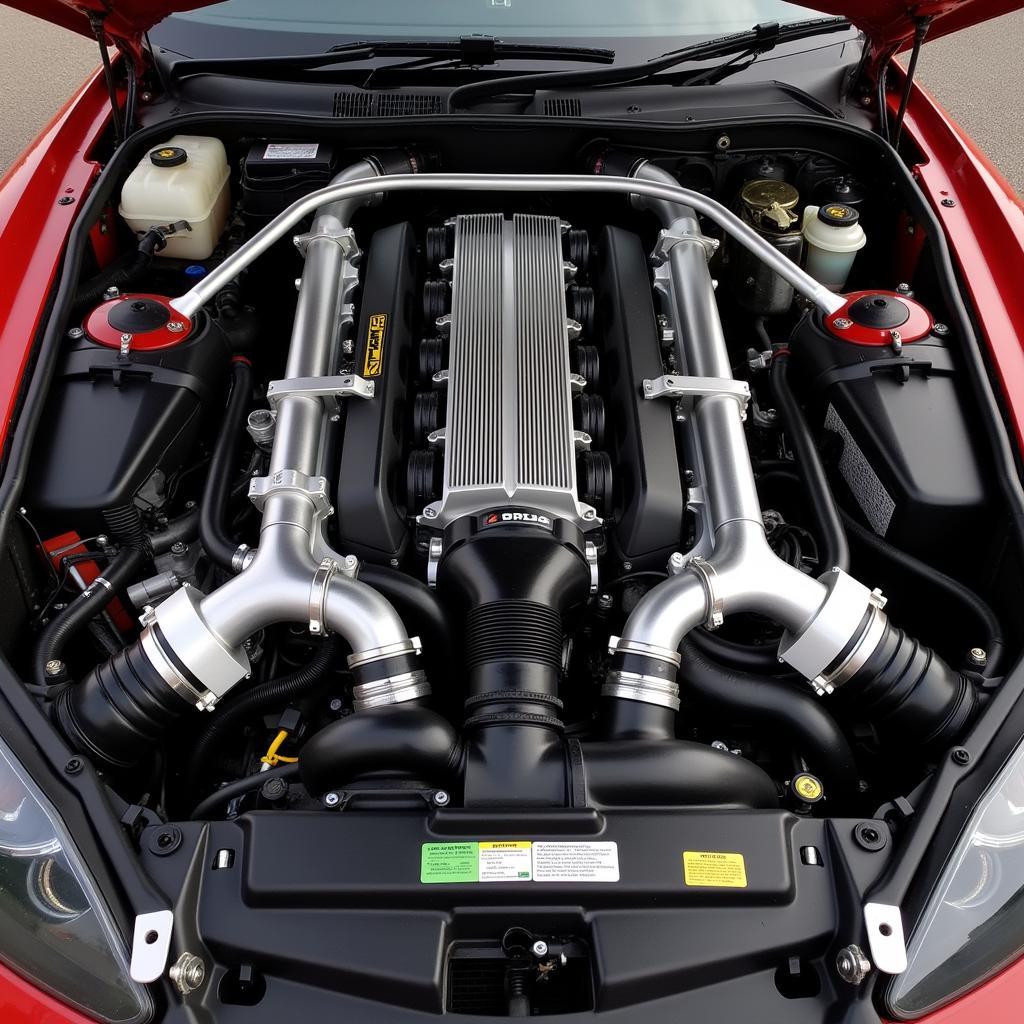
888	23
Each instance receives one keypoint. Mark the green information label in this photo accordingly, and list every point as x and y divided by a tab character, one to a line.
449	862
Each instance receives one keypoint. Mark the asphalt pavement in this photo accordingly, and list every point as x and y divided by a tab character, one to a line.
975	74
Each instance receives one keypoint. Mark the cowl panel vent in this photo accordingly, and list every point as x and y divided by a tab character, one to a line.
359	103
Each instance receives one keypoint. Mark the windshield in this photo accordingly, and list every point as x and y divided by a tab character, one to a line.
312	25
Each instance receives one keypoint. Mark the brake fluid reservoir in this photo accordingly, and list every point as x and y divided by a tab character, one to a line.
184	179
834	237
767	205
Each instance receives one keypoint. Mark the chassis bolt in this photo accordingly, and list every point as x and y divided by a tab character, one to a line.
74	765
54	667
978	657
74	333
332	799
853	966
441	798
188	972
605	602
539	948
176	326
949	203
335	705
65	200
940	329
961	756
179	548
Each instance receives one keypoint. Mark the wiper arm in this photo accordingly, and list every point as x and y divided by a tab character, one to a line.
759	39
471	51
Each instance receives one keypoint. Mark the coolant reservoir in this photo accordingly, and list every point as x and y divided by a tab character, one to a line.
184	179
834	237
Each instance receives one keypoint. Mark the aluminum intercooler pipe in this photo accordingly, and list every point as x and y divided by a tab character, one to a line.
836	633
191	650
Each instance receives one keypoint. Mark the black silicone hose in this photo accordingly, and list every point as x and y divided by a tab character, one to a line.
963	595
184	529
274	691
239	788
123	568
835	550
775	707
213	531
745	657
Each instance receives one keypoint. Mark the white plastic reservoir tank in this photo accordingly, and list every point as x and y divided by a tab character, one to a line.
184	179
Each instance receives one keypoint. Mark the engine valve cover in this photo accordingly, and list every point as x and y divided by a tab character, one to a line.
509	435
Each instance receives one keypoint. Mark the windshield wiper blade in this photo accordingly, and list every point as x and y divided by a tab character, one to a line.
759	39
471	51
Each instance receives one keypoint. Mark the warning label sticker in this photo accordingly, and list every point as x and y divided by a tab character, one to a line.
291	150
724	870
373	361
518	860
575	862
506	862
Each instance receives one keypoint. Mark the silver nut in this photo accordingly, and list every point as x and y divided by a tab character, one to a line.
940	329
176	326
54	667
605	602
853	966
75	333
187	973
720	745
978	657
441	798
627	566
332	799
539	948
335	704
179	548
111	292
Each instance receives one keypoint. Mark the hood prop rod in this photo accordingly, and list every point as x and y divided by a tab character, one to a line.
921	26
96	23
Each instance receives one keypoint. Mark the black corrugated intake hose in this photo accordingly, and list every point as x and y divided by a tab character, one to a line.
184	528
835	550
239	788
213	531
296	684
775	707
992	640
123	273
123	568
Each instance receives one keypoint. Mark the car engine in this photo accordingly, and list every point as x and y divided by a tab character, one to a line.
548	524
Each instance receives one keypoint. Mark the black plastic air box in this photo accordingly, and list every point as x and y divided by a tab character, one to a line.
276	174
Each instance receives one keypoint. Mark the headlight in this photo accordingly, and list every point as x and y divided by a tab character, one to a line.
974	922
54	928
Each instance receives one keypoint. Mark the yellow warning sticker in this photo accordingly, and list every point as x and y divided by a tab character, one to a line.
724	870
373	361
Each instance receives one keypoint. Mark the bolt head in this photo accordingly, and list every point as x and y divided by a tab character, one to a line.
335	704
54	667
179	548
187	973
332	799
605	601
852	965
627	566
441	798
940	329
176	326
978	656
539	948
75	333
112	292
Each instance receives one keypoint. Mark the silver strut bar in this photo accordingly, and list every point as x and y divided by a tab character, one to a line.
666	192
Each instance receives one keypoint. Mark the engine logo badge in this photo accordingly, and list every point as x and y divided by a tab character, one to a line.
510	518
373	360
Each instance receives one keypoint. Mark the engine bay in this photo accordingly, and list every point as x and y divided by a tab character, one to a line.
478	590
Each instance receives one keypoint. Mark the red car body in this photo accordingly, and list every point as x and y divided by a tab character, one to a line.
983	219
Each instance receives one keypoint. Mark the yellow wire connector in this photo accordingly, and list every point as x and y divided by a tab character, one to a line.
272	757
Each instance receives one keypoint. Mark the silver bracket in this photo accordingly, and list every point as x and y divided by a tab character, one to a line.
573	328
673	386
346	239
437	438
590	552
347	385
294	482
884	925
151	945
434	553
440	378
582	440
668	240
577	382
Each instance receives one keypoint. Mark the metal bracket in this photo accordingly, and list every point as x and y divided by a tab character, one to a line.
884	925
668	240
673	386
291	481
348	385
577	382
151	945
346	239
581	441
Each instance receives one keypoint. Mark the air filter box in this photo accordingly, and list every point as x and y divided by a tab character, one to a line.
275	174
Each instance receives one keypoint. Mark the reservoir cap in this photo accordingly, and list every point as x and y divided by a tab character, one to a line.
838	215
168	156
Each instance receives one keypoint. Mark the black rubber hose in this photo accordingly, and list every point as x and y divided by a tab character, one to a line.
123	568
835	550
745	657
420	610
213	532
121	274
266	694
986	618
184	528
239	788
395	738
775	707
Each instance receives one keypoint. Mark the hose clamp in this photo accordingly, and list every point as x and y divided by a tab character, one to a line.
395	689
411	646
857	658
707	574
318	596
636	686
618	645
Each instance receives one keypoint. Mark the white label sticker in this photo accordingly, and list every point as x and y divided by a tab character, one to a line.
505	862
875	501
575	862
291	150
